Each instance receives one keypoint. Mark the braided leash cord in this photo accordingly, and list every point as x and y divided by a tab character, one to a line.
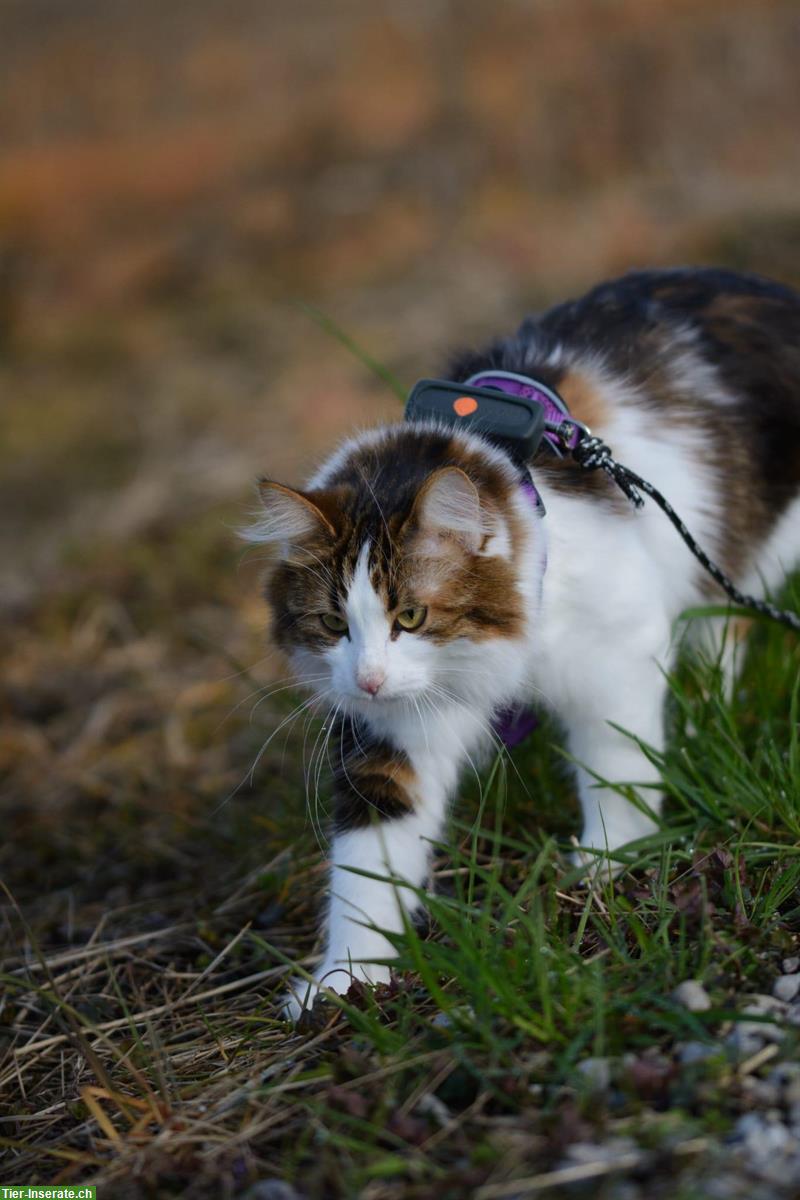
592	453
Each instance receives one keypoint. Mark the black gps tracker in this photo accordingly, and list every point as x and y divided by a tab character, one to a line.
517	423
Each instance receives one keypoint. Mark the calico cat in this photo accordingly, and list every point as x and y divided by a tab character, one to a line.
417	590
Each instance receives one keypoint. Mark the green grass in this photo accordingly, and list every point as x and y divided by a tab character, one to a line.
465	1073
532	975
158	895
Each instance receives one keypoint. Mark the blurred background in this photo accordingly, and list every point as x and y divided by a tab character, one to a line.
173	179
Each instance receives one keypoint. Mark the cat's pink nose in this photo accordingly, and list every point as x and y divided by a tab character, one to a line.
370	681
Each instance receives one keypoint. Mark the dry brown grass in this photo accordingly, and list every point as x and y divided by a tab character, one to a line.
167	186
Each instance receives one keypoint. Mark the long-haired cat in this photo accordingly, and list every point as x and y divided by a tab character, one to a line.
417	590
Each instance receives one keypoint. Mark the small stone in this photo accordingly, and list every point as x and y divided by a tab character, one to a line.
619	1150
695	1052
786	1074
768	1147
764	1006
790	965
271	1189
763	1133
746	1038
785	1077
786	987
726	1186
692	995
761	1005
596	1072
761	1093
449	1020
429	1105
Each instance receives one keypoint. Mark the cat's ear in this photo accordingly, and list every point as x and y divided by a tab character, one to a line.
448	504
288	516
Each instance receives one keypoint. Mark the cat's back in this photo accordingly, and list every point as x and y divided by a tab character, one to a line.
703	349
693	377
645	326
721	306
645	319
714	349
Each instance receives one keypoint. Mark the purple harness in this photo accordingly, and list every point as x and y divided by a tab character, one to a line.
513	725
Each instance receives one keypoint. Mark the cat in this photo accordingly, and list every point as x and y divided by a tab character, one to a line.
417	590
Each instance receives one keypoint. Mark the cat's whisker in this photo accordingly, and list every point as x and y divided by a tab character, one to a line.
314	799
337	724
324	754
250	773
486	726
288	683
438	713
356	738
305	704
313	802
247	670
319	737
307	682
413	700
308	717
478	671
343	759
506	759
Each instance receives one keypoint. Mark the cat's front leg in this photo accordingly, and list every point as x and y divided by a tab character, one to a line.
385	823
361	910
634	704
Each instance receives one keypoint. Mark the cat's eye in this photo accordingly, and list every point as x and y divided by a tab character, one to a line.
411	618
333	622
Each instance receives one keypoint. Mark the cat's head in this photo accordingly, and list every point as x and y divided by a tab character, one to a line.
396	573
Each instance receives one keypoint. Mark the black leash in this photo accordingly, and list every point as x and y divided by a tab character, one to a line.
592	454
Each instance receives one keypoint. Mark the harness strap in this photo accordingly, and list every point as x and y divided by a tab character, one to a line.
562	431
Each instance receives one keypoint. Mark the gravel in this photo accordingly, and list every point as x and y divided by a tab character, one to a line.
621	1151
596	1072
748	1037
786	987
760	1157
768	1147
692	995
695	1052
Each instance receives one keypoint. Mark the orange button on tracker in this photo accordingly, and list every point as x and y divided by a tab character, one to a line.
465	405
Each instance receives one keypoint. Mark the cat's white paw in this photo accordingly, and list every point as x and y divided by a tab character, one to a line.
329	977
596	864
599	841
